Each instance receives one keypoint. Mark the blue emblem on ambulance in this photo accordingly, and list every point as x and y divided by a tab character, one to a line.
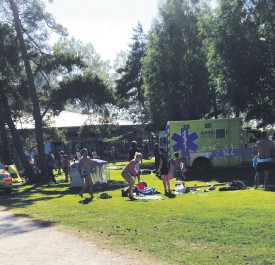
185	142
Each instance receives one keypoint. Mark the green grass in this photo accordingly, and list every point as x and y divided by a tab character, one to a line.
204	228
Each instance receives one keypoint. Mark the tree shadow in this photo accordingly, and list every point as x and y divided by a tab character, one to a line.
220	175
224	175
103	187
24	198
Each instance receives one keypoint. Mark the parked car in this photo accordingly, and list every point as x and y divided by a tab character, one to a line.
16	178
5	180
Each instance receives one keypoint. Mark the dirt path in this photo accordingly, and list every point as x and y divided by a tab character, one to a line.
26	242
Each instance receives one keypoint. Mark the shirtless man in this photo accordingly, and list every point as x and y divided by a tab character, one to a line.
84	168
264	160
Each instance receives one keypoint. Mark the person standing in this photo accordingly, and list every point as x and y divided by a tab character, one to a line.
66	166
264	160
163	169
113	154
59	162
77	154
130	171
85	168
132	150
51	165
157	157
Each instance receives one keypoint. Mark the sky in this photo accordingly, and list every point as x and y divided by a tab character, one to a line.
107	24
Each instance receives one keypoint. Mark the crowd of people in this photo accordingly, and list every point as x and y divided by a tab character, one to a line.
60	162
165	169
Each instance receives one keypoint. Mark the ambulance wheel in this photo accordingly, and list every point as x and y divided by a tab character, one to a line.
201	164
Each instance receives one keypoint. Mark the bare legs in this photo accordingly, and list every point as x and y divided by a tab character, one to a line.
88	185
166	183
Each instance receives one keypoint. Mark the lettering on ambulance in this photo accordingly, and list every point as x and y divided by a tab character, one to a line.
208	134
233	152
185	141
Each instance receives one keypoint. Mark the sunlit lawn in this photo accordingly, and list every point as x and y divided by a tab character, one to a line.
230	227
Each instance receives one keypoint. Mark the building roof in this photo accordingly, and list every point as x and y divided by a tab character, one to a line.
68	119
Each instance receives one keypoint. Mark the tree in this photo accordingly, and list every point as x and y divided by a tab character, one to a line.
262	16
42	66
90	58
10	74
34	18
239	61
129	82
89	90
174	70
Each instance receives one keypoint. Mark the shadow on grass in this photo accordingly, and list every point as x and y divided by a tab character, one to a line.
46	192
245	174
111	185
86	201
224	175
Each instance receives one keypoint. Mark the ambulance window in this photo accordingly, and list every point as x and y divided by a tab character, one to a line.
207	125
220	133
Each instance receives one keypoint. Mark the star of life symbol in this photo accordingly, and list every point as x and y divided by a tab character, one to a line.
185	142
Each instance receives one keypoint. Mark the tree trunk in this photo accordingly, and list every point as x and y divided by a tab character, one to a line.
32	89
15	136
5	155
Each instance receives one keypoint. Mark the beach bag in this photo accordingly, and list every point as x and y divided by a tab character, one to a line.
179	187
105	196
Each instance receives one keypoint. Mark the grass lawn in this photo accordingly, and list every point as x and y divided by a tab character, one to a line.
229	227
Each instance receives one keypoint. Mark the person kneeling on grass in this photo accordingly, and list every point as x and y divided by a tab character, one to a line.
130	171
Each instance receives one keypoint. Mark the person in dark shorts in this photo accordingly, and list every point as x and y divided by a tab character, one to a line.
157	158
85	168
264	160
163	170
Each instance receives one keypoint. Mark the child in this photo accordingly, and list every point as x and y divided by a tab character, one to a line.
178	164
130	171
183	168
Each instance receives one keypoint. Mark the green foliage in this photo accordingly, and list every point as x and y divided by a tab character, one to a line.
56	135
203	228
86	89
50	135
174	68
89	56
239	57
129	83
9	53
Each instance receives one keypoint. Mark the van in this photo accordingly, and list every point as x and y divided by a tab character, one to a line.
211	143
